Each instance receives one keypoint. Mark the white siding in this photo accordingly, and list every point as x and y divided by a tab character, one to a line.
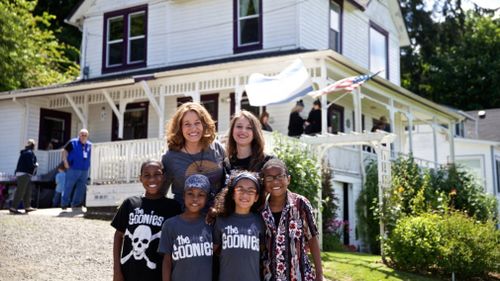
355	30
199	30
13	122
99	122
93	47
313	16
279	24
157	35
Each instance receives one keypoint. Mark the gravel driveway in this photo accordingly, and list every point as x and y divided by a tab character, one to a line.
54	245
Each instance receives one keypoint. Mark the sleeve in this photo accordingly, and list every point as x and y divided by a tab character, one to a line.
309	226
217	234
169	177
69	146
166	238
120	220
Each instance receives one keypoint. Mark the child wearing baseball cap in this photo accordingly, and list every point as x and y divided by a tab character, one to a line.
186	239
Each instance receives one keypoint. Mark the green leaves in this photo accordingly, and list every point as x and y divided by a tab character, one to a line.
30	54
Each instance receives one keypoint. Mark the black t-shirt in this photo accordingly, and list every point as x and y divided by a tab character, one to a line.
141	220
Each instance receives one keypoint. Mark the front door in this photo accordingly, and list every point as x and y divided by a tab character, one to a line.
210	102
54	129
135	122
336	119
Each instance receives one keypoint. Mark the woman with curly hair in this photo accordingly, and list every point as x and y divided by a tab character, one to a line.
192	149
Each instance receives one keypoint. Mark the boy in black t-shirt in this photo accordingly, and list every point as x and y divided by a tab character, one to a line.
138	224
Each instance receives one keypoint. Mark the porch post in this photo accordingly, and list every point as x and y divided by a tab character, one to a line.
409	115
357	110
118	113
238	95
81	115
324	100
155	105
434	136
161	126
451	135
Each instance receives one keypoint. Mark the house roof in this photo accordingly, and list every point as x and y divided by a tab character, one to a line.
487	127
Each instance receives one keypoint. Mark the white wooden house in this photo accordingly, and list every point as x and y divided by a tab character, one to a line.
140	59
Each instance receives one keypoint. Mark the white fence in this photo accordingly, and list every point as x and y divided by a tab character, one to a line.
47	160
120	161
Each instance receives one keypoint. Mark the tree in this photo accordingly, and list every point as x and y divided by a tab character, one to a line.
30	55
454	60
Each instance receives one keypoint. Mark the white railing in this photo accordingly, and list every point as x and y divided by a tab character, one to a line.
120	161
47	160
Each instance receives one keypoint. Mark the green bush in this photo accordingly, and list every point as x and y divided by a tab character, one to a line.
332	243
445	243
302	165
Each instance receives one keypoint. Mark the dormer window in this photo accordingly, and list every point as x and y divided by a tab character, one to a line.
247	25
125	39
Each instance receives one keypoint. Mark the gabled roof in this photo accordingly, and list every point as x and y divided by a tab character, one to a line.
75	16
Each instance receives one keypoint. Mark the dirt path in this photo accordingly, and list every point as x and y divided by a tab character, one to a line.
53	246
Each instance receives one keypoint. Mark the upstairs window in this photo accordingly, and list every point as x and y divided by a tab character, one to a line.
247	25
125	38
335	25
379	52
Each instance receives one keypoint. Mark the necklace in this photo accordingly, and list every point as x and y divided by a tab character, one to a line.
199	167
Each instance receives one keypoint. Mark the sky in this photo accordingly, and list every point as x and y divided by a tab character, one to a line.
469	4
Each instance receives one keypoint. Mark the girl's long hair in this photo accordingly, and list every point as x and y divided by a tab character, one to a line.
258	142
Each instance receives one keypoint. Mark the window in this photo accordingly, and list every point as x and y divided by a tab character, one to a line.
475	166
498	173
335	25
245	105
125	39
379	50
54	129
336	119
210	102
135	122
459	129
247	25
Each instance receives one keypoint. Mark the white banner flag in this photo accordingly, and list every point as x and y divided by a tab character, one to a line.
291	84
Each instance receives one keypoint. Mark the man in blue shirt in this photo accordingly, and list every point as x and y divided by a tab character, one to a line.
76	158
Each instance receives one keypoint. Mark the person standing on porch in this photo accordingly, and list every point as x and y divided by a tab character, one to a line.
296	122
26	168
76	159
192	149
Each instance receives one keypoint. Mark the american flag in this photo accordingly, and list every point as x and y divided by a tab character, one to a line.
344	86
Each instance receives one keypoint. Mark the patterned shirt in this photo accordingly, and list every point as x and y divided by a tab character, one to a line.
287	243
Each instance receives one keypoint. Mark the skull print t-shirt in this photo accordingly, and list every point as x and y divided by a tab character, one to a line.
141	220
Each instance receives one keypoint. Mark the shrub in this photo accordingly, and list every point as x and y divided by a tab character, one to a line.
445	243
302	165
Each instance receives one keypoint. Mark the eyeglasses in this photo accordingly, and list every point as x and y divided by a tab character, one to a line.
249	191
272	178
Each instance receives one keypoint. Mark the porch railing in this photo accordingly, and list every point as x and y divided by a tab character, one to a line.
47	160
120	161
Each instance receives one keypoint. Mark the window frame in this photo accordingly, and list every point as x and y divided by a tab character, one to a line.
340	3
384	33
126	40
237	48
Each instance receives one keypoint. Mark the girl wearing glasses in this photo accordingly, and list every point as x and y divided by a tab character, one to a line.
239	230
291	229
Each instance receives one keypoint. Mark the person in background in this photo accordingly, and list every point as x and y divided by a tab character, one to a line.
138	225
192	149
183	233
291	229
296	122
60	180
381	124
313	122
26	168
264	121
76	158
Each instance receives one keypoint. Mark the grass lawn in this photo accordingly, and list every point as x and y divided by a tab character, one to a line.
348	266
